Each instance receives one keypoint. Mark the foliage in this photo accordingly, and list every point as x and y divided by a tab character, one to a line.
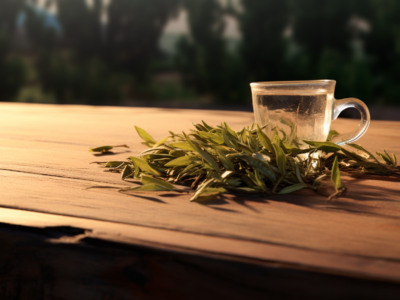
12	68
382	46
81	26
133	30
214	160
8	15
353	41
91	82
262	24
12	72
72	68
203	58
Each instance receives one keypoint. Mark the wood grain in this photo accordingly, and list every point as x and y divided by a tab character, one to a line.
43	264
44	167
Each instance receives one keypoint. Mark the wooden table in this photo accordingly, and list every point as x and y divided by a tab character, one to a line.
62	241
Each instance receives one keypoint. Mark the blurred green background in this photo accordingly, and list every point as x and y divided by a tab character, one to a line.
195	53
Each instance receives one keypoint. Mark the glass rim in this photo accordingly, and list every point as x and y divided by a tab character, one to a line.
293	83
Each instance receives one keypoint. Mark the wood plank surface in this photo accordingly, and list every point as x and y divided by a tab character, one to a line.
44	168
49	264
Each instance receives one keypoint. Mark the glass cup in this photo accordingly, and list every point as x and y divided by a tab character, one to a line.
303	110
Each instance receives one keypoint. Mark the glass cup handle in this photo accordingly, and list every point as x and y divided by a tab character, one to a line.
341	105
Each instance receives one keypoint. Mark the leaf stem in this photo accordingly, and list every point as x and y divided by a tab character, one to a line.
278	182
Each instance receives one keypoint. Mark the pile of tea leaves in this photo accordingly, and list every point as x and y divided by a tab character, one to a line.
216	160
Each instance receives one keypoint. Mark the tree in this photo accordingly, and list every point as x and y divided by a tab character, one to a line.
9	10
71	66
382	45
12	69
203	58
319	25
12	72
263	48
326	38
41	36
81	27
132	33
200	57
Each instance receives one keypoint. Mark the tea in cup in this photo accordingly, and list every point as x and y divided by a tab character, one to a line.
303	110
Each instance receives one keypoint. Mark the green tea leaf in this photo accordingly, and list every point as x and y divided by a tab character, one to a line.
204	154
207	126
216	138
177	153
359	147
385	158
208	193
161	149
294	150
182	161
327	147
277	140
233	182
126	172
160	142
331	135
148	187
244	135
335	175
156	156
200	127
244	148
284	138
145	136
213	191
260	181
298	173
232	132
148	180
226	162
136	170
182	145
101	149
199	191
262	157
105	148
353	155
253	143
229	140
191	166
367	165
388	156
265	141
293	188
144	166
114	164
262	167
280	158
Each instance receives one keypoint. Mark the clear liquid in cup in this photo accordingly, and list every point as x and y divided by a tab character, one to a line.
295	117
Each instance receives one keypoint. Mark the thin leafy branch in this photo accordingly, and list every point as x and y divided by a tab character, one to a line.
215	160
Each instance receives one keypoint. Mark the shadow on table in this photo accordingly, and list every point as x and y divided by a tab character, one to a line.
362	197
216	201
110	153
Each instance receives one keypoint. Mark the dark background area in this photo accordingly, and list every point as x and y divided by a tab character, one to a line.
118	52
